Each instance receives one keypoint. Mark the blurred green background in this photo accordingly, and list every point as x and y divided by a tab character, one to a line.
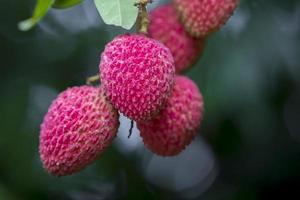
249	143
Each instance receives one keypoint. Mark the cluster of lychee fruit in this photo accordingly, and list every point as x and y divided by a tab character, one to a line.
139	78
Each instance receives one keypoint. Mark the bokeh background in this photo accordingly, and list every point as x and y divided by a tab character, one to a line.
249	143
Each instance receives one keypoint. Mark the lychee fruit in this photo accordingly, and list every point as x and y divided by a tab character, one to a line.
203	17
79	125
165	27
137	74
176	125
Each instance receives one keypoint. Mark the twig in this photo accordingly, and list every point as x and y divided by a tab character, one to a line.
92	79
131	128
142	19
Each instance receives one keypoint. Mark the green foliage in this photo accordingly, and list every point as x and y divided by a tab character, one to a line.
66	3
113	12
117	12
40	11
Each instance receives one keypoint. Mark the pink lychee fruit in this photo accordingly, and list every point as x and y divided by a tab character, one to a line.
79	125
137	74
176	125
203	17
165	27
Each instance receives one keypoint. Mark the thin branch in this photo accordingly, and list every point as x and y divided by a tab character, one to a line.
92	79
142	19
131	128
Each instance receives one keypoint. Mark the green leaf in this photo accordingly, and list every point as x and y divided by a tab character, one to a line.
117	12
40	10
66	3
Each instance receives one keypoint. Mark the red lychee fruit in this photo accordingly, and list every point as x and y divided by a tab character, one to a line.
202	17
165	27
137	74
176	125
77	128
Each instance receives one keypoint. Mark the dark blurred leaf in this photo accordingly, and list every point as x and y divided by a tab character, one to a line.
40	11
66	3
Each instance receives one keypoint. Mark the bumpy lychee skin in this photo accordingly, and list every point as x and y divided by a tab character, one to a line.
202	17
176	125
77	128
165	27
138	75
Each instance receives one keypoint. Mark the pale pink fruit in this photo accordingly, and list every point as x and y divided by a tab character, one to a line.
203	17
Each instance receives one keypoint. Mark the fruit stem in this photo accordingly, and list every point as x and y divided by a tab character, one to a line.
92	79
142	19
131	128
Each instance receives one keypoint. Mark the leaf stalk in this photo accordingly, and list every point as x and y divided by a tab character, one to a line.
142	19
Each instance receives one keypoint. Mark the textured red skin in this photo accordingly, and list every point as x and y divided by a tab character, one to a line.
138	75
203	17
176	125
77	128
165	27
